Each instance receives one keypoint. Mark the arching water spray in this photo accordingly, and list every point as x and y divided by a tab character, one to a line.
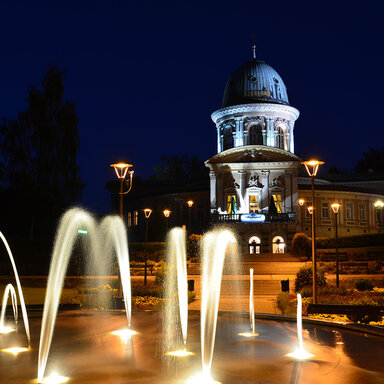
215	246
103	240
19	290
114	235
71	222
176	311
9	290
300	353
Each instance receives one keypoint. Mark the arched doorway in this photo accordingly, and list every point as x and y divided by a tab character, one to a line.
254	245
278	245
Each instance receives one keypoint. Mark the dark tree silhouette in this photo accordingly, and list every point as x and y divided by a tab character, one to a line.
38	149
372	161
179	168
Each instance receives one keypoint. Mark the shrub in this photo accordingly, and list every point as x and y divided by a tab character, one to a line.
161	274
375	267
364	285
301	244
193	246
304	278
286	306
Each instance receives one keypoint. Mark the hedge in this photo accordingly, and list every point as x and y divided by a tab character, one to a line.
351	241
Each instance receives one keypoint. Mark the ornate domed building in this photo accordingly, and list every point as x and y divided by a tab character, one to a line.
253	177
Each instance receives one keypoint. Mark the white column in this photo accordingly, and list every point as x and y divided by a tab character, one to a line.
218	139
213	198
264	204
241	135
287	192
242	178
291	142
270	131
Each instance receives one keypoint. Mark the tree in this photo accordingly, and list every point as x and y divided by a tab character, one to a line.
179	168
372	161
39	148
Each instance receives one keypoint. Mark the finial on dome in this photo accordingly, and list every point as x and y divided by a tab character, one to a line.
254	50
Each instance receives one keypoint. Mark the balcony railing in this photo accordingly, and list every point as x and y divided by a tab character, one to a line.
237	218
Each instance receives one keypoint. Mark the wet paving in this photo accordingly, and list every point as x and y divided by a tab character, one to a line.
84	350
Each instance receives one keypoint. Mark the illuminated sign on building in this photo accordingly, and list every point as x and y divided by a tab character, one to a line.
252	218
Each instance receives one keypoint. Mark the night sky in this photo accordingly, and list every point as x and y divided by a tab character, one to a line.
146	76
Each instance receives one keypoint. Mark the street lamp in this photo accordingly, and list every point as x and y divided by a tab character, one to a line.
301	203
121	170
190	203
167	213
379	205
312	166
335	208
147	213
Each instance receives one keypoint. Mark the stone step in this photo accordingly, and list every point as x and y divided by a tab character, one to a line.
259	268
260	287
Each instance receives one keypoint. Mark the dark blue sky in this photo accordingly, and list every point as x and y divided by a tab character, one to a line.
147	75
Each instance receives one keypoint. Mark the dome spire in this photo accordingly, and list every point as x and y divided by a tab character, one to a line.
254	51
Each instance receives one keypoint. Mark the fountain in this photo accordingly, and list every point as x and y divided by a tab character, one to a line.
9	290
176	309
92	355
214	251
110	235
300	353
19	290
251	308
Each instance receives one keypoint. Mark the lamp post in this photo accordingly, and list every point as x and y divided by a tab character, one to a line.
312	166
335	208
166	213
190	203
147	213
301	203
121	170
379	205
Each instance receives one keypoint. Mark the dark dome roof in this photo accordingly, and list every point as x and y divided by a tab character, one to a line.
254	82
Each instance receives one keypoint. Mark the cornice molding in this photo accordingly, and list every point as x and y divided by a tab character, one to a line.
252	110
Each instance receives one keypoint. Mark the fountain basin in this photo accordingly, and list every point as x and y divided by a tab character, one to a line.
84	350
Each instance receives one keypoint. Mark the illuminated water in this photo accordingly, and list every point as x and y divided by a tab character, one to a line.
251	305
300	353
215	246
101	242
176	308
9	290
19	290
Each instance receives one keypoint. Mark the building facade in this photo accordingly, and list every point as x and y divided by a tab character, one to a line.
254	177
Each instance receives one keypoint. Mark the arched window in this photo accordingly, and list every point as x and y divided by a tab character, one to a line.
255	135
278	245
254	245
227	138
279	138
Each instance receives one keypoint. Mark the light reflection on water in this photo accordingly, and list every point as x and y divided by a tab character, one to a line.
83	346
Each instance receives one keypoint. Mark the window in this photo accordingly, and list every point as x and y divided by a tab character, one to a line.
349	211
279	137
231	204
253	203
325	210
254	245
228	138
255	135
136	218
129	219
362	212
278	203
278	244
